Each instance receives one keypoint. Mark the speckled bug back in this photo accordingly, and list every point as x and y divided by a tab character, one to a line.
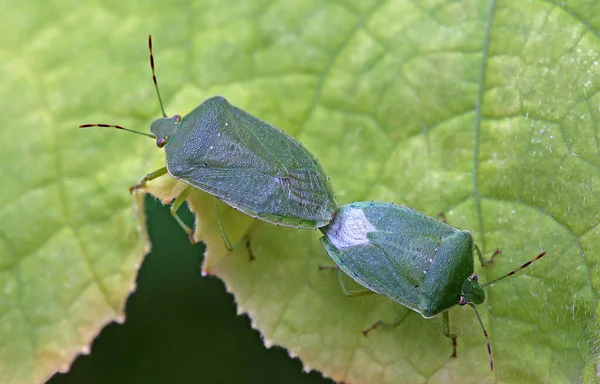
398	252
248	164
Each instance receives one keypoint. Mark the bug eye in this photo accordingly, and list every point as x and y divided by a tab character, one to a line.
462	301
160	142
475	277
177	118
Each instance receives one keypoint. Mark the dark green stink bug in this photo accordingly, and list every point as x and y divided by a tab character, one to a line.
413	259
242	161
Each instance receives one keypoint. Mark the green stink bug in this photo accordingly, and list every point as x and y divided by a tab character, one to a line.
413	259
242	161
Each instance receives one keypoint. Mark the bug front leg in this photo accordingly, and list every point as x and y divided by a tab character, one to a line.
452	336
151	176
488	261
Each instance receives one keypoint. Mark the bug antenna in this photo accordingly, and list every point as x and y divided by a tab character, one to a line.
117	127
487	339
525	265
162	108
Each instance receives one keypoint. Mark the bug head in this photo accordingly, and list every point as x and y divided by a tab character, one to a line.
471	291
164	128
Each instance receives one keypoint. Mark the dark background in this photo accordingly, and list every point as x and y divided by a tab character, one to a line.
181	327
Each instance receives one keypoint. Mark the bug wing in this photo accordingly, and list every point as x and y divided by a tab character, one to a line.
411	257
251	165
435	266
363	263
258	194
387	248
432	257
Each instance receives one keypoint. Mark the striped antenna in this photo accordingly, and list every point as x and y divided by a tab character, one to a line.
525	265
117	127
487	339
162	108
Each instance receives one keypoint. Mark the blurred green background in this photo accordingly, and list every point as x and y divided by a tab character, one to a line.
181	327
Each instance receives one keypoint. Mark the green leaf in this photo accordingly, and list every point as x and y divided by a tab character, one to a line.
486	111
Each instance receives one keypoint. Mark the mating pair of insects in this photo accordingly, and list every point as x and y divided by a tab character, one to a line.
420	262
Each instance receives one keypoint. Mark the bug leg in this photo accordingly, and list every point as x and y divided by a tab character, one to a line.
380	323
221	227
442	217
348	293
452	336
329	267
488	261
151	176
175	207
245	241
362	292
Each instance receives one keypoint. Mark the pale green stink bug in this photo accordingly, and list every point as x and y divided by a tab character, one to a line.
413	259
242	161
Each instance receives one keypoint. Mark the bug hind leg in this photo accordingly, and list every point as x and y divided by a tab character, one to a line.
349	293
243	242
381	323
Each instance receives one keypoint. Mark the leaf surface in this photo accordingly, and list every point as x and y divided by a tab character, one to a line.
487	111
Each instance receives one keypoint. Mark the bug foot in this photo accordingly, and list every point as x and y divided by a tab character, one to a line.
442	217
372	327
136	187
491	259
328	267
249	248
453	355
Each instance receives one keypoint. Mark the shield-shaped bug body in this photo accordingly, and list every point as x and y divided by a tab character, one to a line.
248	164
242	161
413	259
